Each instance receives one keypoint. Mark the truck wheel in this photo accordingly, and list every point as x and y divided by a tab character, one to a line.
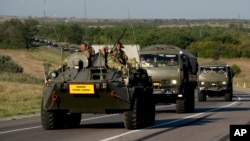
201	96
134	119
228	96
149	110
186	104
190	102
51	119
180	104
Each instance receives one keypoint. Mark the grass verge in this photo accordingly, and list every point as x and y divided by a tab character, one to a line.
19	98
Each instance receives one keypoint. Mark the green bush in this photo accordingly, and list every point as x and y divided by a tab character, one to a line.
236	69
8	65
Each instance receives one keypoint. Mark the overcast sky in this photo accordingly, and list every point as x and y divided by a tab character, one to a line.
153	9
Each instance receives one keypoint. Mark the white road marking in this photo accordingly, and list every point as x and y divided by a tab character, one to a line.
22	129
130	132
99	117
174	121
29	128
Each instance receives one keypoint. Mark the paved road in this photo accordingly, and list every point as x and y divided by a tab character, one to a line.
210	122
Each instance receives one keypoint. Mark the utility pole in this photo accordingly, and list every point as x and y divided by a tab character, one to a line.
85	19
85	10
44	9
238	22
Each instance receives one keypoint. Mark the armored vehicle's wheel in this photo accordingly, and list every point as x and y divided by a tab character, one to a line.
51	119
186	104
57	119
201	96
134	119
73	120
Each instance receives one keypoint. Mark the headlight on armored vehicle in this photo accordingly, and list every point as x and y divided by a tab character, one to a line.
76	67
174	81
202	83
53	74
224	82
104	85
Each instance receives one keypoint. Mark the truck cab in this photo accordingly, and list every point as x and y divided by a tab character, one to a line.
215	79
173	72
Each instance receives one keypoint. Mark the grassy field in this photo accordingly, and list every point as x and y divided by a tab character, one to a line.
22	97
20	94
19	98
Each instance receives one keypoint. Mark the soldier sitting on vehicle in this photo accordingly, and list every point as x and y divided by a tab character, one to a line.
105	52
118	58
87	50
119	54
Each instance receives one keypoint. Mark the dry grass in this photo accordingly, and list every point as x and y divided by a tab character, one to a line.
32	60
19	99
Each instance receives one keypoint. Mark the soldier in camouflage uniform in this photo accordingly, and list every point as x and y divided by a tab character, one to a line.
118	58
87	50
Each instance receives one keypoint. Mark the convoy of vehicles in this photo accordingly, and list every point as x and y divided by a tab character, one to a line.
166	74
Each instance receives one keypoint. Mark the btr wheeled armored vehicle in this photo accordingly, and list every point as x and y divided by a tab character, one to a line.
215	79
174	75
85	86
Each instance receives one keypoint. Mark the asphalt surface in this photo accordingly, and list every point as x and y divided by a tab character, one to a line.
210	122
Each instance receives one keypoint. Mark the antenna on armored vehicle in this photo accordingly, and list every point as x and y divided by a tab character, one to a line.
118	40
129	17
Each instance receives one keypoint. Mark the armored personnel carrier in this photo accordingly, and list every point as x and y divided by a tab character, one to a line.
215	79
173	71
85	86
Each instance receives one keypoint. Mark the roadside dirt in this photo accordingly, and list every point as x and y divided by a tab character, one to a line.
30	66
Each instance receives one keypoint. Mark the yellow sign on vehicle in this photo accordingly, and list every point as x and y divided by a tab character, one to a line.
81	88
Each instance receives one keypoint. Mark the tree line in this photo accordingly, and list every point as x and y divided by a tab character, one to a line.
205	41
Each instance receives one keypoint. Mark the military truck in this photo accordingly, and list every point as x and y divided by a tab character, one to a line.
174	75
215	79
85	86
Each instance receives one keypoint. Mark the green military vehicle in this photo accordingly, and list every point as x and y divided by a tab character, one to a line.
173	71
215	79
90	87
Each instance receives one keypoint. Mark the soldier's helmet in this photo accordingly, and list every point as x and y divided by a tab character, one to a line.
88	43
